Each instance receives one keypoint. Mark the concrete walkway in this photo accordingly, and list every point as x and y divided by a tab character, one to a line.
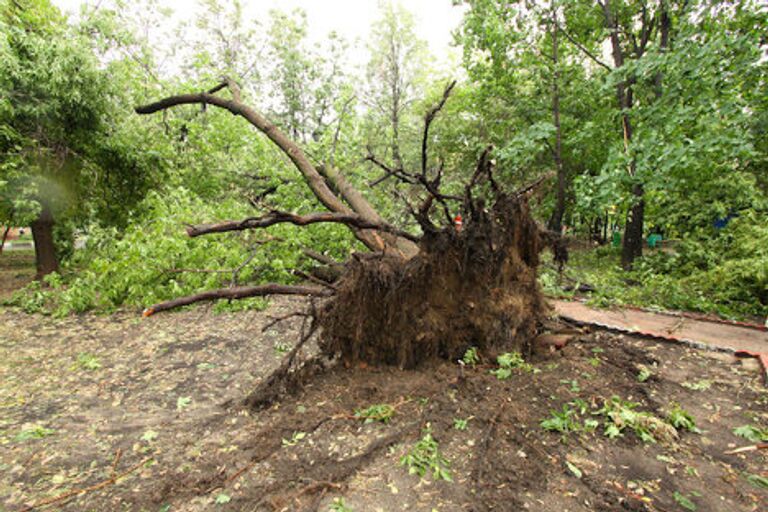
706	334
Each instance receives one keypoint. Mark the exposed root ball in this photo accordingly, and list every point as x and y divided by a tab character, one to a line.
473	288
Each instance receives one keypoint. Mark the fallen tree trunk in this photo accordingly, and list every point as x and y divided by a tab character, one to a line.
414	297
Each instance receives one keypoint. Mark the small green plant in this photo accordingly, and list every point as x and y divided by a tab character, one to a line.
644	374
338	505
508	362
574	384
425	458
280	348
758	481
88	361
377	412
562	421
38	432
183	402
682	419
471	358
752	433
594	361
684	501
621	414
222	499
701	385
296	437
461	423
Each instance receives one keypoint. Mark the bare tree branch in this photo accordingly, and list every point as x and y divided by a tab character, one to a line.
277	217
430	116
238	292
583	48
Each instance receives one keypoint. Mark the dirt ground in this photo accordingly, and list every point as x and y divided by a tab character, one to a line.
17	268
144	415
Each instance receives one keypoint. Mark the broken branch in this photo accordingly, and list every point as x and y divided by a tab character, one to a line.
277	217
238	292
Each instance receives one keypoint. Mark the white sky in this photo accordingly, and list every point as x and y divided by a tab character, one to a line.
435	19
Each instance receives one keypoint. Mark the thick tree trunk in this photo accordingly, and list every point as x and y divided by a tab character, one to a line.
632	247
5	237
45	249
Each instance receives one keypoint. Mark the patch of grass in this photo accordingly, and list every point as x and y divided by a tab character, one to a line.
377	412
425	458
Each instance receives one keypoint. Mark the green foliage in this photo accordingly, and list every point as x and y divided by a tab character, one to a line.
88	362
38	432
562	421
727	276
621	414
684	501
382	413
424	458
700	385
470	358
752	433
154	260
222	499
682	419
644	374
461	423
338	505
508	362
758	481
295	439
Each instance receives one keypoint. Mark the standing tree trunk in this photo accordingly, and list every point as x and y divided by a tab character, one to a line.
45	249
5	236
556	221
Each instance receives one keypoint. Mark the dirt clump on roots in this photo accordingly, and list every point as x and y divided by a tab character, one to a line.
475	287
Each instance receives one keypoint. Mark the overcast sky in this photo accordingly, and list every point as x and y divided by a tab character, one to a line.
435	19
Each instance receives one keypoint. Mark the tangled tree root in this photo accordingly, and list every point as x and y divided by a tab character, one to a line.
476	288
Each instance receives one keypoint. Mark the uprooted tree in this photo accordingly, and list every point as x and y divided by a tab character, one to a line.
412	297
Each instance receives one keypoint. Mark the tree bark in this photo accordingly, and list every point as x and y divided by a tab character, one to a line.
556	221
5	237
632	245
45	249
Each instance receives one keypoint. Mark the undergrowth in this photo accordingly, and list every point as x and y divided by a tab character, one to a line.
154	260
724	273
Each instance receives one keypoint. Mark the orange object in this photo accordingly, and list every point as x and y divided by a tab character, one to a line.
458	222
148	312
